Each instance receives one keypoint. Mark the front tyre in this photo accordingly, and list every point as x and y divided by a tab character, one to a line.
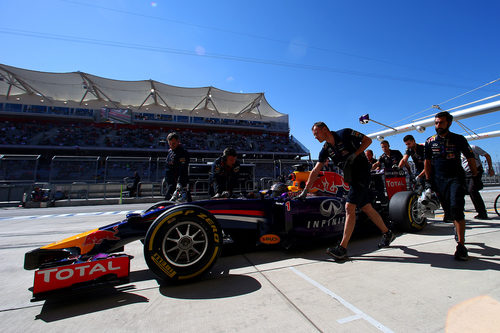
182	243
404	212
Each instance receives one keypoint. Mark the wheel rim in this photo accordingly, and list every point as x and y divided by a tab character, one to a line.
185	244
417	214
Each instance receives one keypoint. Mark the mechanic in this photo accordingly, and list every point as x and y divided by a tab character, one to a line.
370	158
476	184
176	175
416	152
134	188
445	175
224	174
389	159
345	149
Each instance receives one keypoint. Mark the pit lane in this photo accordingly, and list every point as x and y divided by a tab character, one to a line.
415	285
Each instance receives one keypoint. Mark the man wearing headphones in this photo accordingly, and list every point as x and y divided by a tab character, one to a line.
224	173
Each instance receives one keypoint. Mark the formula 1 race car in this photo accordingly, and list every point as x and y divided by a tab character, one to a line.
183	240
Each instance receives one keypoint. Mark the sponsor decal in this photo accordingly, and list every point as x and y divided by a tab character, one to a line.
333	221
395	185
163	265
50	279
97	237
330	208
270	239
330	182
333	212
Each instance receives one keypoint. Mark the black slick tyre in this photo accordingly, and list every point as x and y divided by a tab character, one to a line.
182	243
404	212
497	205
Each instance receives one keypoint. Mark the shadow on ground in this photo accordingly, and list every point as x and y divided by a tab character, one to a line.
90	302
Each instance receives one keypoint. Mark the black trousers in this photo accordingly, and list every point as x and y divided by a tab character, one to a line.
473	188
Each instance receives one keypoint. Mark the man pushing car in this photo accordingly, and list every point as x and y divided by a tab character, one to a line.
345	149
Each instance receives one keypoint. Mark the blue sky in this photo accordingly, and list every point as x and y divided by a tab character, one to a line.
314	60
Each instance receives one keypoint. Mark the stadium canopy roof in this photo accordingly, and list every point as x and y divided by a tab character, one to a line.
90	91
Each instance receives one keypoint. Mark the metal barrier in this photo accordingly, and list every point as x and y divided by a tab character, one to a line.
13	192
200	187
19	168
65	169
491	180
265	183
117	168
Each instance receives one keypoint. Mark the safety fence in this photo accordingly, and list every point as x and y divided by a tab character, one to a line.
93	177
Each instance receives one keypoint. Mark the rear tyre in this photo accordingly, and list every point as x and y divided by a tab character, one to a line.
404	212
183	243
497	205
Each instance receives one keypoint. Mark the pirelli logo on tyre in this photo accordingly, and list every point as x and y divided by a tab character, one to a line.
162	264
212	225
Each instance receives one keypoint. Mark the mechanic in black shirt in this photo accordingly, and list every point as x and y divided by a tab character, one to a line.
444	173
474	184
224	173
345	149
370	158
176	175
389	159
416	152
134	188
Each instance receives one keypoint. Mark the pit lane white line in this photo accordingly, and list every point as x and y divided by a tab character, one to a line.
124	212
358	313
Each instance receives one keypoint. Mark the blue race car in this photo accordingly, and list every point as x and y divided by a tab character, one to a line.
183	240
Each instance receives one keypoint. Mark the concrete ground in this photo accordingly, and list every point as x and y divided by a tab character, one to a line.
413	286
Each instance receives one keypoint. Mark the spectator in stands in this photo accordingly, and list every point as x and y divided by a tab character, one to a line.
389	159
176	175
475	183
224	174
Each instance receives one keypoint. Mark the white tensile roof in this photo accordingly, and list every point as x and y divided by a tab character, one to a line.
86	90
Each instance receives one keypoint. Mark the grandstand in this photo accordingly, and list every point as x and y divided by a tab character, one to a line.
77	127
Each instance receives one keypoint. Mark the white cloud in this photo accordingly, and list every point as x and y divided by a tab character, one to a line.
200	50
297	48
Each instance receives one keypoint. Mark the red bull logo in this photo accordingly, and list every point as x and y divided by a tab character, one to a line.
97	237
330	182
